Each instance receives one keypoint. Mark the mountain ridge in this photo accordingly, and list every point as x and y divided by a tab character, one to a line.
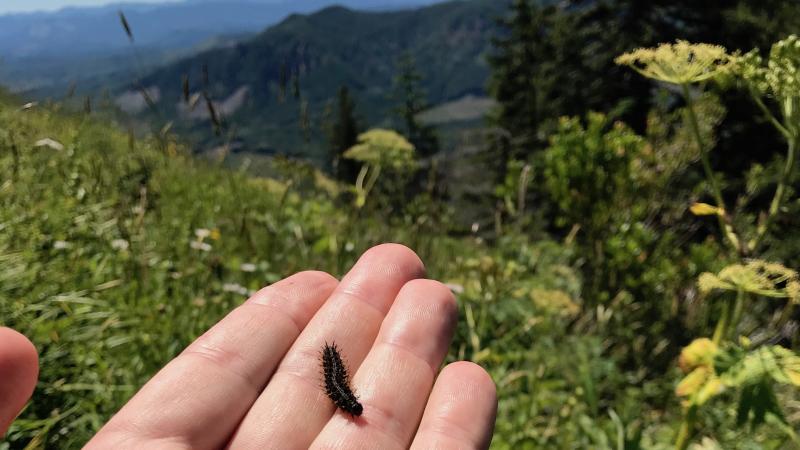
333	47
41	46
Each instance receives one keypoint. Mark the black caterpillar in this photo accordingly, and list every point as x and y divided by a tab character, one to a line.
337	381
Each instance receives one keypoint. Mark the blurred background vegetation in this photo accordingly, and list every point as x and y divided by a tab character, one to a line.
633	209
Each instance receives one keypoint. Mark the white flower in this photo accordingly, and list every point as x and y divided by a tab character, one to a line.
202	233
235	288
120	244
202	246
455	288
61	245
247	267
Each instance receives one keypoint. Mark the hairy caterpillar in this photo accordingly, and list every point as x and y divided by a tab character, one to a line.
337	381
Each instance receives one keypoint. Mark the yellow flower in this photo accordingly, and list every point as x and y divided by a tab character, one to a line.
755	277
700	385
383	148
704	209
555	302
678	63
699	353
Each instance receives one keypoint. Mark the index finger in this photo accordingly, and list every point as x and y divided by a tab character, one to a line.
197	400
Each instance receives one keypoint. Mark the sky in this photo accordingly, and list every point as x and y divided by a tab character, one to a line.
9	6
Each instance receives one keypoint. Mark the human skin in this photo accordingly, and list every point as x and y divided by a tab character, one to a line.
253	381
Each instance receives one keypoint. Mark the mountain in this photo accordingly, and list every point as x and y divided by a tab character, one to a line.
323	51
37	49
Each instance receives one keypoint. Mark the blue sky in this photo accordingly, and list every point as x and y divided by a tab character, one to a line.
7	6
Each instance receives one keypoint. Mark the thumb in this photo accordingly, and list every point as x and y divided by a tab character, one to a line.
19	369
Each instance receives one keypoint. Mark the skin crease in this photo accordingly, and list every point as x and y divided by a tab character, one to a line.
252	380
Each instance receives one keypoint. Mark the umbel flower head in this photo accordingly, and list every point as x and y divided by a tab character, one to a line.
383	148
678	63
755	277
777	77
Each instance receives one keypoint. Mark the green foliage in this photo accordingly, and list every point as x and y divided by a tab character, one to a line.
590	172
753	373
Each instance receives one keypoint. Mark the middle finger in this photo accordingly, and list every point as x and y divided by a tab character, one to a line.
292	409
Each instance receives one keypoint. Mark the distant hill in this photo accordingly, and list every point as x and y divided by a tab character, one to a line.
39	50
333	47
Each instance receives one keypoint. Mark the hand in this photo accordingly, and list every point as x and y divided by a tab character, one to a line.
254	379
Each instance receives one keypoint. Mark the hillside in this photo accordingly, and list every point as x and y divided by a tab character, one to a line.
116	253
333	47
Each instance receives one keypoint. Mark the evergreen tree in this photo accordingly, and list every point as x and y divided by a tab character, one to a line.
411	101
513	82
342	135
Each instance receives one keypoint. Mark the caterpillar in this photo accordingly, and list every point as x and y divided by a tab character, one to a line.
337	381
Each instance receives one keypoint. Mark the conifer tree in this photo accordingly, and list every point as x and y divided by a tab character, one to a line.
411	101
342	134
513	80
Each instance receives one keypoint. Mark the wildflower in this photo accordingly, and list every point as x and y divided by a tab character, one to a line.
383	148
678	63
455	288
699	353
61	245
755	277
202	233
202	246
704	209
235	288
554	302
779	77
247	267
699	386
214	234
120	244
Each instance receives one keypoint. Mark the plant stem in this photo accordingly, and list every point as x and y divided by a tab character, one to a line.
737	312
724	322
774	207
685	432
770	117
726	228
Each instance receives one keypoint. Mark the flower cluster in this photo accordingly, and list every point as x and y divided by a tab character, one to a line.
755	277
678	63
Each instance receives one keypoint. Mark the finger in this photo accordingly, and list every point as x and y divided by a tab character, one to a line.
396	377
461	410
19	368
293	408
197	400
